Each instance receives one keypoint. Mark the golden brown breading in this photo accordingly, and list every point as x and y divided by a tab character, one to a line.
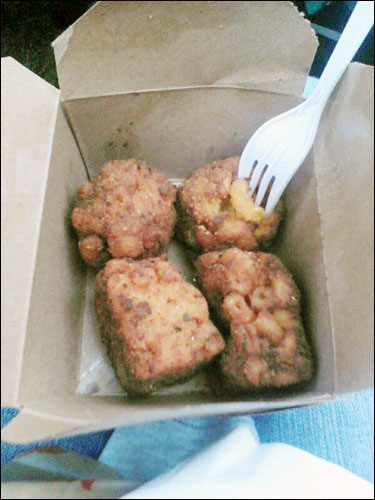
258	302
215	211
126	212
156	325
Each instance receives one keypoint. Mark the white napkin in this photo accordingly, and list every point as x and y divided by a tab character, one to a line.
238	466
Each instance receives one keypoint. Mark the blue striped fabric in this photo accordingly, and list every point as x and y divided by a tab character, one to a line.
341	432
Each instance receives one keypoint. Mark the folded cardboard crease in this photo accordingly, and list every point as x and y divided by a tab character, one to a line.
199	54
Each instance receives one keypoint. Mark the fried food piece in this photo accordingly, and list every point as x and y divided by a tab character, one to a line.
257	301
214	210
126	212
155	324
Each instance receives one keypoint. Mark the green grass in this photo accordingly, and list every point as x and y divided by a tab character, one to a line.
28	28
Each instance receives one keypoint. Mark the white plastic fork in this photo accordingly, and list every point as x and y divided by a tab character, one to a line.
277	149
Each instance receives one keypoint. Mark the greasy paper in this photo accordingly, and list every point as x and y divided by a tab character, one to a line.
176	131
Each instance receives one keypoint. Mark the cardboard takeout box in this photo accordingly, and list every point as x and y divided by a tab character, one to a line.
177	84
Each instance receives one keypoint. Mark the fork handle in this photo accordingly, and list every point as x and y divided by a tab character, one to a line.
356	29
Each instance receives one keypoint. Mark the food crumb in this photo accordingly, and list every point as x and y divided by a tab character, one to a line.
128	304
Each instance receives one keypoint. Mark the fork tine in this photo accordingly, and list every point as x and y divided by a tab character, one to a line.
247	161
255	177
263	186
276	191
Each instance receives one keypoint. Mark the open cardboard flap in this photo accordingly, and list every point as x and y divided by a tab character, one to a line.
119	47
28	113
177	130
